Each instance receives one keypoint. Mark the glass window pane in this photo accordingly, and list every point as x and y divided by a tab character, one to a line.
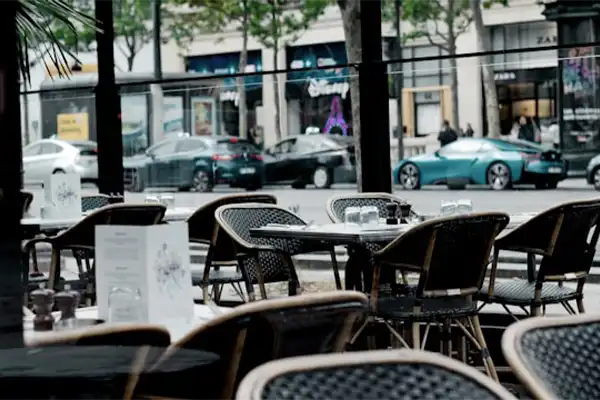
425	81
427	67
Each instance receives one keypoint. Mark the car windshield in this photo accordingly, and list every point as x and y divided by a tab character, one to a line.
90	147
237	146
512	143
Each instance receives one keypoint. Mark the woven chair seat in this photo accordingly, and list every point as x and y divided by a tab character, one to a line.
222	276
401	308
520	292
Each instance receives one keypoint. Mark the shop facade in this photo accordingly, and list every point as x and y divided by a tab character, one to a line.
219	114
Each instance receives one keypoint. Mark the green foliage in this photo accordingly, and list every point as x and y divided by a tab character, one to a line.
132	24
35	21
274	23
439	21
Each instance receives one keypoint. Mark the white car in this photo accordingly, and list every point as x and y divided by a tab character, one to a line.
52	156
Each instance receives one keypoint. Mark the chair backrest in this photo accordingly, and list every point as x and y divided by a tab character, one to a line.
201	224
575	243
389	374
451	253
94	201
26	200
556	357
82	234
337	204
257	332
236	221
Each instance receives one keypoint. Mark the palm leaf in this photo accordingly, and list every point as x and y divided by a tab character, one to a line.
35	19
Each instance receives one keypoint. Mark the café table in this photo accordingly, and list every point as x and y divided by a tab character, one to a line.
355	237
95	372
38	224
202	314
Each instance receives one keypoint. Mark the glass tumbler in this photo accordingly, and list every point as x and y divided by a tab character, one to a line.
124	304
369	215
448	207
464	206
352	216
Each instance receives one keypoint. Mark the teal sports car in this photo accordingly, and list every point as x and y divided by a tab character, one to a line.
498	163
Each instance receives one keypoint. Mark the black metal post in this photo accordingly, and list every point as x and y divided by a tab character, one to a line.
156	22
374	109
108	106
399	78
11	267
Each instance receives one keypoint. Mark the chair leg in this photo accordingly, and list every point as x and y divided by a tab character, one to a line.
580	306
485	353
336	270
416	336
54	274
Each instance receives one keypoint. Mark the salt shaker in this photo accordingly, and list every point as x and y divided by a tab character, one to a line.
67	302
43	300
392	209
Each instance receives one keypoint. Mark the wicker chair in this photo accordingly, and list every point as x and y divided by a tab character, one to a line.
562	236
398	374
221	253
257	332
360	257
556	357
81	236
444	295
264	260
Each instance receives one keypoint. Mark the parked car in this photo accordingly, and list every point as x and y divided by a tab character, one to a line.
318	159
498	163
53	156
196	163
592	172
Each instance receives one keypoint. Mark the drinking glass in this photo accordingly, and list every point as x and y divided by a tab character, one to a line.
464	206
352	216
168	200
369	215
151	199
448	207
124	304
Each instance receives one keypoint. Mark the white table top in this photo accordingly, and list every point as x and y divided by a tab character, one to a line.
172	214
202	314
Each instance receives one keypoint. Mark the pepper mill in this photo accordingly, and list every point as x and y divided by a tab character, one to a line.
67	302
392	209
43	300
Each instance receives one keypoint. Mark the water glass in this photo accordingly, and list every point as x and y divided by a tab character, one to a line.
167	200
352	216
369	215
464	206
124	304
448	207
152	200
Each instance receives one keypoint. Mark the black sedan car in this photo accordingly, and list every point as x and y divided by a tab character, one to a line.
196	163
320	160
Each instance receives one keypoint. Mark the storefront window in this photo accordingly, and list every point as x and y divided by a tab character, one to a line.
134	123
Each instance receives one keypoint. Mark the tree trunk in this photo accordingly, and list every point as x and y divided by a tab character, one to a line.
455	123
241	87
276	93
130	60
350	10
487	72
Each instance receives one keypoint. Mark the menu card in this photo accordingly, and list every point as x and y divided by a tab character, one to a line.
62	193
143	274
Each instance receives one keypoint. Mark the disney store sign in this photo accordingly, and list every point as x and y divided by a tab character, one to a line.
323	87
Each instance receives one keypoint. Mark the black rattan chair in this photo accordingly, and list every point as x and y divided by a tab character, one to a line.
81	236
360	256
398	374
264	260
220	267
556	357
258	332
451	256
566	237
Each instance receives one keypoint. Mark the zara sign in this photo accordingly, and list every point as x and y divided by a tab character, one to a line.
323	87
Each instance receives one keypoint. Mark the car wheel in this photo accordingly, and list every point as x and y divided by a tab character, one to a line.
201	182
596	178
321	178
498	176
409	177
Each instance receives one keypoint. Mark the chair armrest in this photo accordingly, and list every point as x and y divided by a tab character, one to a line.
29	245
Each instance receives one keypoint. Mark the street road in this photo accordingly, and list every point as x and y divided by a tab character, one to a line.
312	201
